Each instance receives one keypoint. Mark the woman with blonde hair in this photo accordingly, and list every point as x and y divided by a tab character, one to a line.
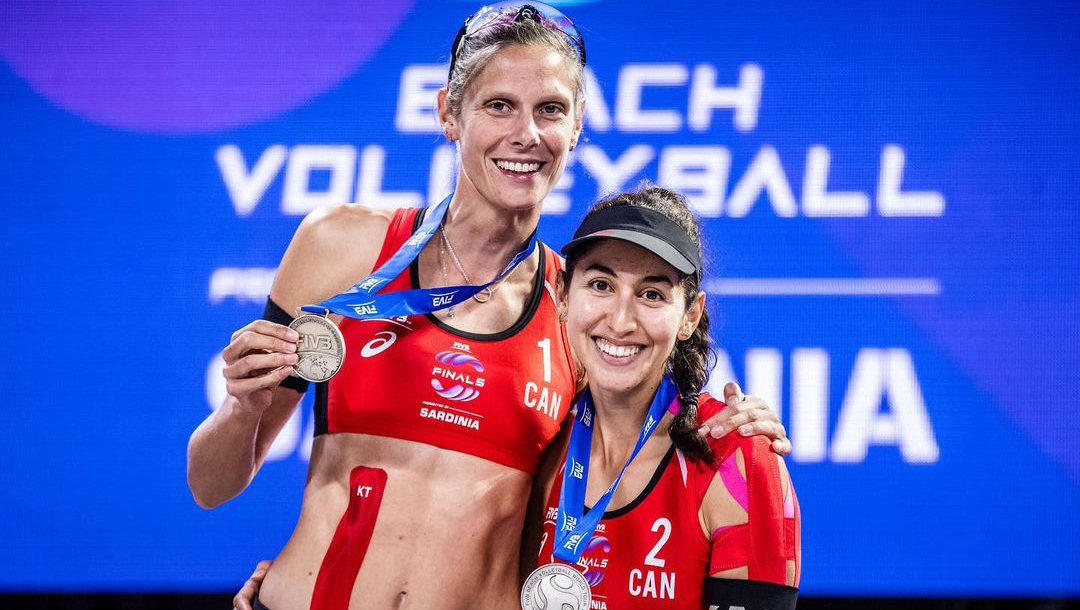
457	373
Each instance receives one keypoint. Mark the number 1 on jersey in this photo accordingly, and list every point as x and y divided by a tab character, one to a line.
545	345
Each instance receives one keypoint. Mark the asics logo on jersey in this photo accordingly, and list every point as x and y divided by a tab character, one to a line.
382	340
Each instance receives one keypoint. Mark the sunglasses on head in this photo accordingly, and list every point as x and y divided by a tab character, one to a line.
500	13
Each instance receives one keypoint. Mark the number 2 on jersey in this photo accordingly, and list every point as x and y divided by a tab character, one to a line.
651	559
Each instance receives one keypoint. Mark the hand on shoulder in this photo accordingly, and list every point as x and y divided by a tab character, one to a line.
748	415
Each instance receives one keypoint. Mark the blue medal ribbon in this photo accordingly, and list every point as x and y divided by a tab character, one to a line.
363	301
572	530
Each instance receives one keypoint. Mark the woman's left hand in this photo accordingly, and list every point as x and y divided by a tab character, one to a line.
245	597
750	415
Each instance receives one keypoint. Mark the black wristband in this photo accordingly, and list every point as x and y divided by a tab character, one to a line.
749	594
274	313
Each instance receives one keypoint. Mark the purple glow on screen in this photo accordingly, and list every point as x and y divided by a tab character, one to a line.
189	66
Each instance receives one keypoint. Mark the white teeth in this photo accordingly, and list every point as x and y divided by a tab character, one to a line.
619	351
518	167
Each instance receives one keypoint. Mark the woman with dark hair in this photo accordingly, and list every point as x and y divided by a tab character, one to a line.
457	374
676	521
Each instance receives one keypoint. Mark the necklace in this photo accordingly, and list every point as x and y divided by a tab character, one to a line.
446	276
484	295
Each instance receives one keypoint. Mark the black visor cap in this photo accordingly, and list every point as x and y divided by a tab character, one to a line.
643	227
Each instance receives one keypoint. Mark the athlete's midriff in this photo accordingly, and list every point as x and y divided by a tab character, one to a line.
447	534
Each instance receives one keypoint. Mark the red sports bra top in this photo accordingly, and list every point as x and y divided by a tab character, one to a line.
652	553
501	396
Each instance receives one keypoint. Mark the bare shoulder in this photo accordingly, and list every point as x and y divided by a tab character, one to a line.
333	248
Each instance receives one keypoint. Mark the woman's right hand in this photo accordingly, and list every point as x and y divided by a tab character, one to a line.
228	447
259	356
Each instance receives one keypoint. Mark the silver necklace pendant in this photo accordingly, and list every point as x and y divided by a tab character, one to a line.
446	276
480	297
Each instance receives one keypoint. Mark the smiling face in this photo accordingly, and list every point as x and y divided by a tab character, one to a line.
517	123
625	308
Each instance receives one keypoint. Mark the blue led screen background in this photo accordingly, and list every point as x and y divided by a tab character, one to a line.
888	189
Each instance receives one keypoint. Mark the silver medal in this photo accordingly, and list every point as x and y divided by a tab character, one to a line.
321	348
556	586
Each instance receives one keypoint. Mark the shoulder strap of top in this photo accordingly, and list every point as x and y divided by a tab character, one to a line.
553	264
400	229
721	447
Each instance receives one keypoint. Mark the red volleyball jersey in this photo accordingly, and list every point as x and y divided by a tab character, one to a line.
497	396
653	553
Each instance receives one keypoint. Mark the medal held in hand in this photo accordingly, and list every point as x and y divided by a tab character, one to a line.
556	586
321	348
